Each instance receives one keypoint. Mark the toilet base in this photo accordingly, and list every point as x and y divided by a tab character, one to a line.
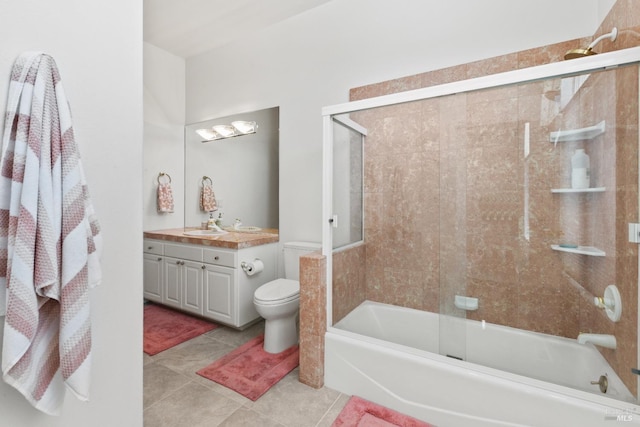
280	334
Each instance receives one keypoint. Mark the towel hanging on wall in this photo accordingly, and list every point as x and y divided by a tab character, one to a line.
208	201
165	193
51	241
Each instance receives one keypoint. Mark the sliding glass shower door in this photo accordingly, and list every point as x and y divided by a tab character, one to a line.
509	208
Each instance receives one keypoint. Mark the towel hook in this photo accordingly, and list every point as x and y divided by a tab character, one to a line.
206	178
161	174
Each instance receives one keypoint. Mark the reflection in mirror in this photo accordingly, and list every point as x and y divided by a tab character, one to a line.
243	171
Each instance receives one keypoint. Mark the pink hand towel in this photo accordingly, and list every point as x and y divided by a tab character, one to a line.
207	198
165	198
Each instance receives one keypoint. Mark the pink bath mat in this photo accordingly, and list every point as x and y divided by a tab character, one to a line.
362	413
165	328
250	370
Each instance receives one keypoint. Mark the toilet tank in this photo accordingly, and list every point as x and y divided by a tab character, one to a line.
292	253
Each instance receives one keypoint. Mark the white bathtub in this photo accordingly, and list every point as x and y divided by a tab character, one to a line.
509	377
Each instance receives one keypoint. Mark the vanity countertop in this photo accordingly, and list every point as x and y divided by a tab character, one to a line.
231	240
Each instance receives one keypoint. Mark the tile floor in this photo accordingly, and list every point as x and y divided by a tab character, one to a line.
175	396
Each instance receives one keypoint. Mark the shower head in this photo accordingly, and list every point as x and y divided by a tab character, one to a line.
581	53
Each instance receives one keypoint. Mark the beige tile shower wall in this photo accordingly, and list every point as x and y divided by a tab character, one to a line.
401	163
313	318
348	292
427	162
349	285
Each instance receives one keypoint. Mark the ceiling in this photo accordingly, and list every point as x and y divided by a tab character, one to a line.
190	27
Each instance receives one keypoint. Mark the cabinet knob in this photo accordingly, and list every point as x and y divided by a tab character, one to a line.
159	259
149	247
215	258
203	267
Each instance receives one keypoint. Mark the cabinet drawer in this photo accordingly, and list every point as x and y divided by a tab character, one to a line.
192	253
220	257
152	247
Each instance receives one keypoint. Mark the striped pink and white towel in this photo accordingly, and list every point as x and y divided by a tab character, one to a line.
50	241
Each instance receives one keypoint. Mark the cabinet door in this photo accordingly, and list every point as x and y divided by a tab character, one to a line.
219	294
192	286
152	277
172	282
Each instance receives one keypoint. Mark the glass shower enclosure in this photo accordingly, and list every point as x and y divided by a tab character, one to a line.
475	200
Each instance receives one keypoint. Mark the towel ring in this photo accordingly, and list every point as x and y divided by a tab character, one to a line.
206	178
161	174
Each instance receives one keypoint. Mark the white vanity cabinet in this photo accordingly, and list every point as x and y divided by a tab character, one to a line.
219	295
153	270
208	281
183	277
183	284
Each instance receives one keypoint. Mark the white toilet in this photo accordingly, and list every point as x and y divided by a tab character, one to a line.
278	301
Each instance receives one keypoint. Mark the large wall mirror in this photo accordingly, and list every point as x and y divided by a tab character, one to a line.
243	171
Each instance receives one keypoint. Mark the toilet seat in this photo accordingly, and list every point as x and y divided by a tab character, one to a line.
278	291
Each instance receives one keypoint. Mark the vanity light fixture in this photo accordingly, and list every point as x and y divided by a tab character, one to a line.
236	128
244	127
224	131
207	134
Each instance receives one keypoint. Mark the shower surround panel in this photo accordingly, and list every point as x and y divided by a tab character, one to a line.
454	186
445	193
350	283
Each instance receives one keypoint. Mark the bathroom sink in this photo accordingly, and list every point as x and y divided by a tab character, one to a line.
205	233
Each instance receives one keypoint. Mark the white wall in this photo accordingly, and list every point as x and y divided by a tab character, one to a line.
311	61
604	6
164	103
101	69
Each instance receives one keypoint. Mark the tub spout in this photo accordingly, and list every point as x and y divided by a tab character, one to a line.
603	340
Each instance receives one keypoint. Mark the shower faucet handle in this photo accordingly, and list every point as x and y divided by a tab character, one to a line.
611	302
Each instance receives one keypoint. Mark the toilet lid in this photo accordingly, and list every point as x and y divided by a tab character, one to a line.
278	289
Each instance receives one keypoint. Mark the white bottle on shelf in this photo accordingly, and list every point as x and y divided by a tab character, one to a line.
580	170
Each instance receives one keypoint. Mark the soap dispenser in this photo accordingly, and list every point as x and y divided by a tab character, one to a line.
211	224
580	170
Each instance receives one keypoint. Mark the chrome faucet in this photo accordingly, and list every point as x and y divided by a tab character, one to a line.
603	340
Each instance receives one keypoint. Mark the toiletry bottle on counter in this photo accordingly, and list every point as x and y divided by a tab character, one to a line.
580	170
211	225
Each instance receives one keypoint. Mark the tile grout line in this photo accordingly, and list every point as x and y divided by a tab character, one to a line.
168	395
329	409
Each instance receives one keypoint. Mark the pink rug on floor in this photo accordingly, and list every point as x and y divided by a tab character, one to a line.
250	370
165	328
362	413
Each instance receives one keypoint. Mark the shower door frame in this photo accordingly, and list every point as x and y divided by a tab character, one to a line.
563	69
362	132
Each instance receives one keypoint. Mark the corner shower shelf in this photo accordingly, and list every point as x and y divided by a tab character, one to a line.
583	250
581	134
579	190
